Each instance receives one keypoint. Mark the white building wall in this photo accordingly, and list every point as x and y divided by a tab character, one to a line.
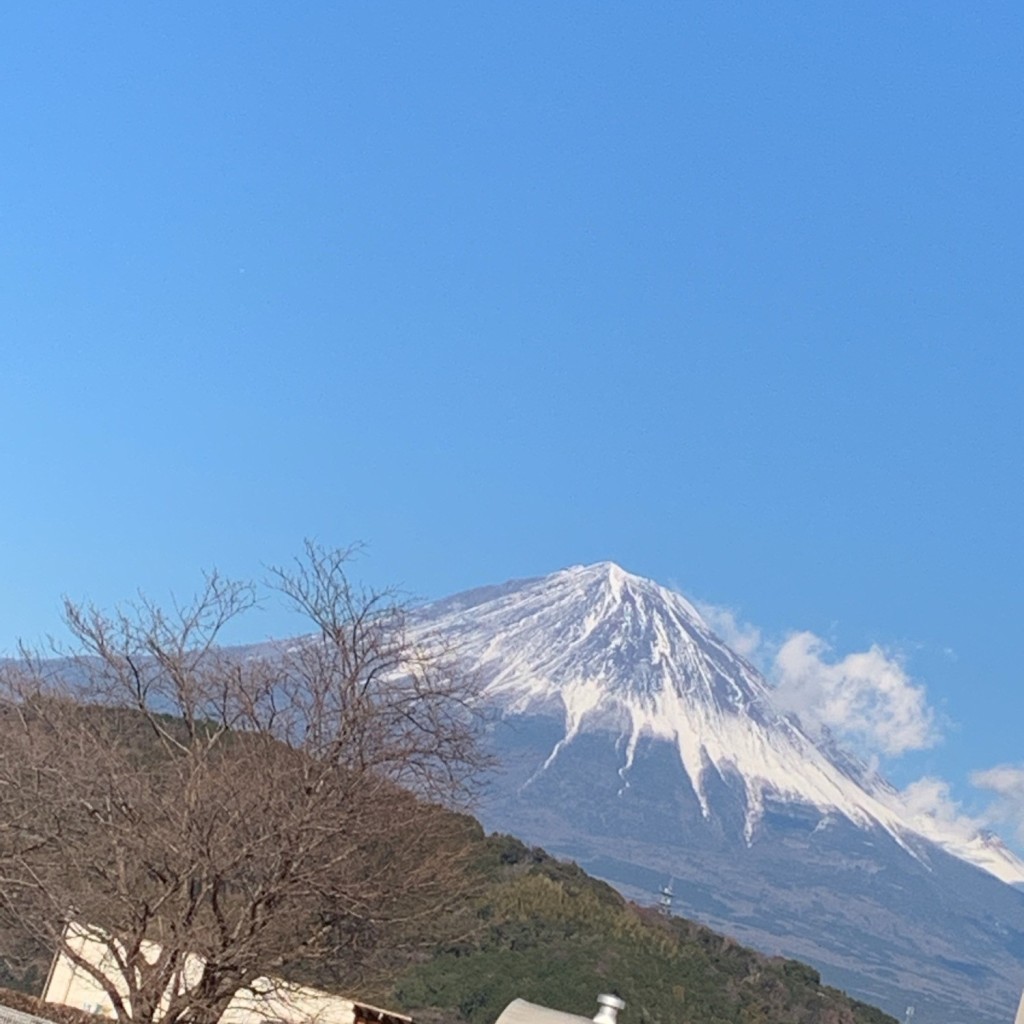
70	985
268	1002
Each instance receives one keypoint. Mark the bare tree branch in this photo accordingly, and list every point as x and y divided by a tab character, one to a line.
257	809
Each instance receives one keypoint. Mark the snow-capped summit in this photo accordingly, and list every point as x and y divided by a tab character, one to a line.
593	629
609	650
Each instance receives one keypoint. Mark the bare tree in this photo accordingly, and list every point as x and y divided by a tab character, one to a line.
252	811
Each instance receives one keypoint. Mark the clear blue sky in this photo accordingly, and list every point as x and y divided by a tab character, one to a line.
727	293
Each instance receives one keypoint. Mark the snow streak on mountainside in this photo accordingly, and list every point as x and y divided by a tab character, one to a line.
615	652
983	849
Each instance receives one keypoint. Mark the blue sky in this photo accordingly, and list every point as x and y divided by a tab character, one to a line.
727	293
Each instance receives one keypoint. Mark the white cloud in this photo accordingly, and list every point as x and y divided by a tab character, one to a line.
930	808
869	701
1007	782
742	637
866	698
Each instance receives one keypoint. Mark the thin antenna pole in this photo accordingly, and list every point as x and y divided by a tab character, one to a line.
665	896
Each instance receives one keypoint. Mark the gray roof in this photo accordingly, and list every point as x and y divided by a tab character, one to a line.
9	1016
519	1011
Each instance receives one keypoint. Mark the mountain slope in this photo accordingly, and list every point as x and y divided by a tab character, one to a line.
619	651
634	740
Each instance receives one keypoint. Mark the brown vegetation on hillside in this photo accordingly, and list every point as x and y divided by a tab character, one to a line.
257	811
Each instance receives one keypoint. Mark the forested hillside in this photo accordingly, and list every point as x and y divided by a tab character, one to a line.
543	930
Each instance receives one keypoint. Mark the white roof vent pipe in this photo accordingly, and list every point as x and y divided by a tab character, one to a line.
609	1008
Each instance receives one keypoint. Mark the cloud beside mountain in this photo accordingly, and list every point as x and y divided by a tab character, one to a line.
869	700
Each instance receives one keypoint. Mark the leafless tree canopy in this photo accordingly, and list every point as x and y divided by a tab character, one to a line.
257	809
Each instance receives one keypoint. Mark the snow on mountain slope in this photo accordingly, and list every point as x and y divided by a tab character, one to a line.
982	849
609	650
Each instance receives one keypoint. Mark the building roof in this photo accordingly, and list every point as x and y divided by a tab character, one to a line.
9	1016
519	1011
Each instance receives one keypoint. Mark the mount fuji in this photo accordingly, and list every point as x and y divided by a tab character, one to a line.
634	740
